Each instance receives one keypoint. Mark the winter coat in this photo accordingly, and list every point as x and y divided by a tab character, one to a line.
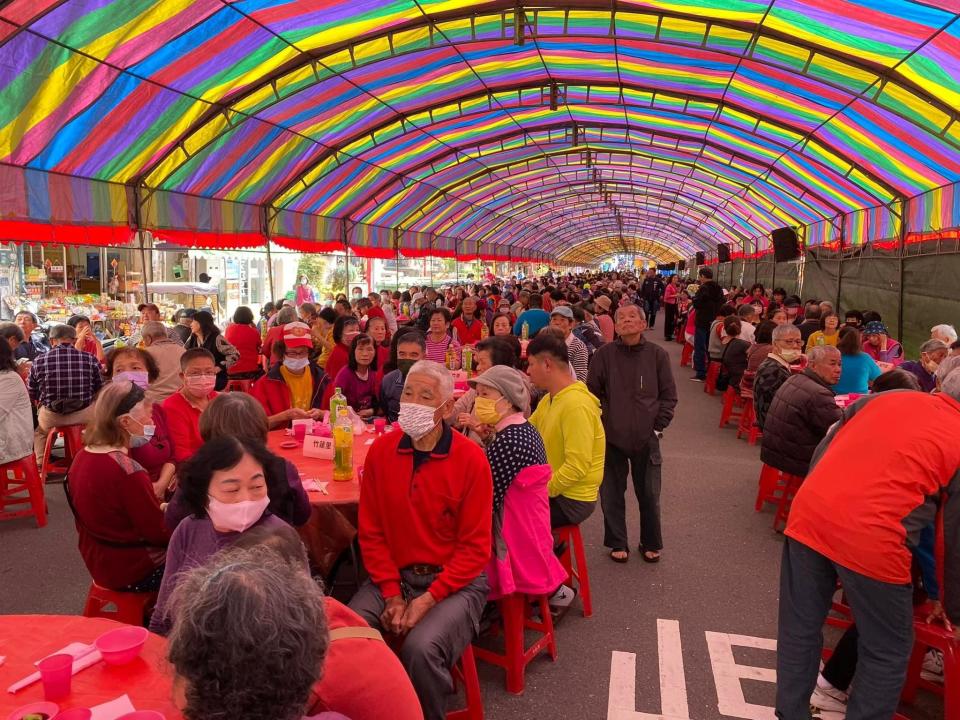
803	410
707	302
636	389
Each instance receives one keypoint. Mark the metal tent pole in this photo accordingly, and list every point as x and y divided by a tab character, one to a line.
265	229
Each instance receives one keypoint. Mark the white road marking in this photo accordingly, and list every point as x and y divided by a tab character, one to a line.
621	704
727	675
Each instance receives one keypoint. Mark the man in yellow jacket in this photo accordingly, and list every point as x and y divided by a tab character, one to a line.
568	419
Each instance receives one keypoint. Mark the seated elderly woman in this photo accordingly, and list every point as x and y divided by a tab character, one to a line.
121	532
802	411
932	353
250	638
238	415
226	486
490	352
859	368
878	344
946	334
356	653
156	456
294	387
523	559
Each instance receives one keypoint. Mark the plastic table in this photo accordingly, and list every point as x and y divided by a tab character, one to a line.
24	639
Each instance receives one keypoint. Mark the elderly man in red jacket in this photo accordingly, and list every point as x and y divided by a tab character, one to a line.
875	482
426	515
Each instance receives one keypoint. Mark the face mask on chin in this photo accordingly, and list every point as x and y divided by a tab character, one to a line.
416	420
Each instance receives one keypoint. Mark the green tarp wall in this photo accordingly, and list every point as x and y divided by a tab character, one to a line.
925	275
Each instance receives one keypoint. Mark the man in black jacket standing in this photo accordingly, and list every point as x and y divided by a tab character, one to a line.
632	379
651	292
706	303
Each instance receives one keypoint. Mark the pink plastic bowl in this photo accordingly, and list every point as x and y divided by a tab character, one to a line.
75	714
122	645
143	715
46	708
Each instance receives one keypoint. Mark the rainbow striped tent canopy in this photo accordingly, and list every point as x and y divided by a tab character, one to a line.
562	131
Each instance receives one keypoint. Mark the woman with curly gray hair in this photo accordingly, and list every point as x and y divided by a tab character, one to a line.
250	638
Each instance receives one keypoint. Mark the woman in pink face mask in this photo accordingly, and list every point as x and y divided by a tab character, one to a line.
199	371
227	486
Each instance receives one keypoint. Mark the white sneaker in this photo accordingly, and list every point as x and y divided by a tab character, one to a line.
563	596
829	698
932	670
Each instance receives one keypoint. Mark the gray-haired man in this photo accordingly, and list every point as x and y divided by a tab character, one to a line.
64	382
426	508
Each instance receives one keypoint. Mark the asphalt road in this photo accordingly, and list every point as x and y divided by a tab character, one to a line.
715	588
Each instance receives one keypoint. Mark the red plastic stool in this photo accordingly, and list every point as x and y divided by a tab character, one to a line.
515	619
239	385
767	490
72	443
465	671
131	607
748	426
713	374
788	486
733	407
574	561
686	356
19	477
934	636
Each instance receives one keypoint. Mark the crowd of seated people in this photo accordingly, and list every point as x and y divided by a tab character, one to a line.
176	492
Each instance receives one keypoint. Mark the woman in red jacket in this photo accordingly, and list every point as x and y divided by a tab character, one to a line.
122	538
294	387
468	325
245	337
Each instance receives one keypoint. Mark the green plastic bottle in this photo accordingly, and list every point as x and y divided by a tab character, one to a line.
337	401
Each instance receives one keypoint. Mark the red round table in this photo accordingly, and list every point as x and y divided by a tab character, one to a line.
333	522
24	639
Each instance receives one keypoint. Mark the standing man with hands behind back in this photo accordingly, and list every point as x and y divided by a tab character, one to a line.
637	393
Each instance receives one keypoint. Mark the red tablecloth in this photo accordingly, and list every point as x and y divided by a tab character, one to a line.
333	519
24	639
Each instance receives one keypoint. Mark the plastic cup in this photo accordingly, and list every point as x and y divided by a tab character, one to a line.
56	672
299	432
379	425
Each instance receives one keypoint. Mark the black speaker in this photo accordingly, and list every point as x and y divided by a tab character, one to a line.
681	265
701	258
723	252
785	244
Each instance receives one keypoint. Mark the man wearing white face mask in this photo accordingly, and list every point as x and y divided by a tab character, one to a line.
425	532
776	369
293	388
198	371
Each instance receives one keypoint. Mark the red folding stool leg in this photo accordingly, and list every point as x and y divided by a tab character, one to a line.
18	477
465	672
766	492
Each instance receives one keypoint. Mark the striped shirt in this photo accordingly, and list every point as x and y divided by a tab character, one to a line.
437	351
579	356
65	380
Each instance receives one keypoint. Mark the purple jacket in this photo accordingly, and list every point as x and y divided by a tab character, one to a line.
191	545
